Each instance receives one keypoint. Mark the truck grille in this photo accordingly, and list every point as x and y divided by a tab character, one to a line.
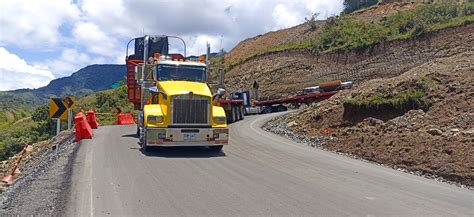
190	109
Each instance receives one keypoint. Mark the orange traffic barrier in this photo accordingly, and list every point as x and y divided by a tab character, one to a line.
92	119
124	119
83	129
11	177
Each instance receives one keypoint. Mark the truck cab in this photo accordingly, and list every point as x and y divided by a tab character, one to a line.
177	107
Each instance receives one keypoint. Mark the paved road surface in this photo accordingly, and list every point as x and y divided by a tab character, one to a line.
258	174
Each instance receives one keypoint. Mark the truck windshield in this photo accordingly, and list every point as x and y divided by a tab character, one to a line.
181	73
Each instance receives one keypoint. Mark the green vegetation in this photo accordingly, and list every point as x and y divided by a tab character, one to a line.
105	103
289	46
414	96
403	99
32	124
353	5
427	18
30	128
345	32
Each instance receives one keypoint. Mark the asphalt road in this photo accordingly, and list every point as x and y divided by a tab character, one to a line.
258	174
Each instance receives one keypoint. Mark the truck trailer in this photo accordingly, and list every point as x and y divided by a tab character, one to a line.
310	95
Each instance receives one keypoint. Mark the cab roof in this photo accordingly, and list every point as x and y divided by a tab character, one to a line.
182	63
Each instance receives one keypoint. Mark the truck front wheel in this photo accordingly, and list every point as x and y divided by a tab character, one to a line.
216	148
143	145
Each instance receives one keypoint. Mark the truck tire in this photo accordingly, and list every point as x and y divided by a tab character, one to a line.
216	148
281	108
228	116
267	110
234	114
143	146
237	111
241	114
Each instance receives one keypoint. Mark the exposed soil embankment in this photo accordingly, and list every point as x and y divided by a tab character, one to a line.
421	120
285	73
42	179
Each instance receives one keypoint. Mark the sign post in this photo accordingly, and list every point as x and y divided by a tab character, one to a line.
69	118
58	126
61	109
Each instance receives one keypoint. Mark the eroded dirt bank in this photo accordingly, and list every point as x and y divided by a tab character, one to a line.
285	73
421	120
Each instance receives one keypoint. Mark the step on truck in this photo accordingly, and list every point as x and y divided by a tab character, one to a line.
174	103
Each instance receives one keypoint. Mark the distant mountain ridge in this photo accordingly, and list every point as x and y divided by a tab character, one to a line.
87	80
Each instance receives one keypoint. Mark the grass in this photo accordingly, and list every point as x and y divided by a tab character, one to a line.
346	32
283	47
404	99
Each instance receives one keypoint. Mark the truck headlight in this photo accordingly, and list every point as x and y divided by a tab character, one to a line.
220	133
219	120
155	118
161	133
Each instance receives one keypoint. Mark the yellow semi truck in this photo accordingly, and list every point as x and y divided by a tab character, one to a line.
175	104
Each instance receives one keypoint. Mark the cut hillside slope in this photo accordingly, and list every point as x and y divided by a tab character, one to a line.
288	72
301	36
422	120
275	40
354	49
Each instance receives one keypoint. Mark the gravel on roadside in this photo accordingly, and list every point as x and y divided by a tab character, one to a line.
41	187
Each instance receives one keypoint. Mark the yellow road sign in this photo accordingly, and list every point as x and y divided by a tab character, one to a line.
58	107
70	102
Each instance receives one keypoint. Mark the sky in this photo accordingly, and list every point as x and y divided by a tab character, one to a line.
41	40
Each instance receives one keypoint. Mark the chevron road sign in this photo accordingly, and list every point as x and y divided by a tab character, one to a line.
69	101
58	107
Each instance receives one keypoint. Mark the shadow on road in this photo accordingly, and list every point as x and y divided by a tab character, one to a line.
182	152
133	135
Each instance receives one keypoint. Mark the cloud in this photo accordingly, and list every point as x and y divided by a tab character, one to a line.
16	73
324	8
283	17
82	32
70	60
33	23
96	41
235	20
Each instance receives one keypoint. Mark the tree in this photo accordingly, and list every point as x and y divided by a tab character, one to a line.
41	113
312	22
353	5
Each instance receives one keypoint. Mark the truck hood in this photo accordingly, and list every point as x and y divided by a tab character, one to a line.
184	87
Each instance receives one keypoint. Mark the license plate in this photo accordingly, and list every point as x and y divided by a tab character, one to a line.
189	136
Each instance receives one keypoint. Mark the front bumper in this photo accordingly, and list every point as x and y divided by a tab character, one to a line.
173	137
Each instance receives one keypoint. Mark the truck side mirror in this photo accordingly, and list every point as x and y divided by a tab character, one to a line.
153	90
220	91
